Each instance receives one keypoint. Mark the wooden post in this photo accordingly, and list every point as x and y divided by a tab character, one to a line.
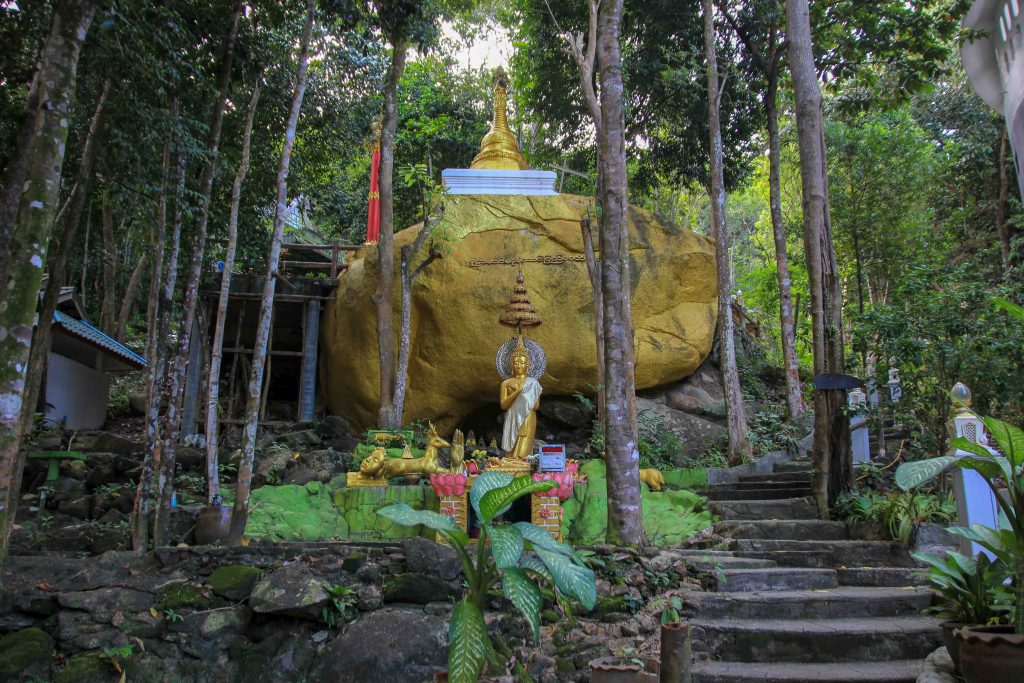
676	654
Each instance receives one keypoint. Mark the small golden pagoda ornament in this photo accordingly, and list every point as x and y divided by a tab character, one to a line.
499	149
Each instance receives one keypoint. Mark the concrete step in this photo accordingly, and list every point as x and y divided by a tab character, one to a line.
790	553
882	576
777	579
761	492
783	508
793	529
838	603
711	560
902	671
801	465
776	477
873	639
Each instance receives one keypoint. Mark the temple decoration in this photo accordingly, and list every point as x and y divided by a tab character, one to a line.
499	149
377	468
499	167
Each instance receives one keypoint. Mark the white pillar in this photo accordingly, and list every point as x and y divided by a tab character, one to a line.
975	502
859	428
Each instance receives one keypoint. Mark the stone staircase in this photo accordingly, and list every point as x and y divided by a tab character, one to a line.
798	599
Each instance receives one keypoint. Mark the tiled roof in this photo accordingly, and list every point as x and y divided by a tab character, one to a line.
88	333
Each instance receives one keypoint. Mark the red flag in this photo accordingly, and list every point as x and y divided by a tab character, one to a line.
373	215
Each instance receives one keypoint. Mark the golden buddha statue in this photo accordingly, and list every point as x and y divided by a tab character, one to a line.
519	398
499	149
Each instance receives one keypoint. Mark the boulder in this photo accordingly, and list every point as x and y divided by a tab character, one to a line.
25	655
386	645
300	476
416	588
302	440
333	427
292	590
455	333
434	559
234	581
190	458
137	403
695	433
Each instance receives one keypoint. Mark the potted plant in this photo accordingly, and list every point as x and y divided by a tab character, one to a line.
500	554
989	653
969	588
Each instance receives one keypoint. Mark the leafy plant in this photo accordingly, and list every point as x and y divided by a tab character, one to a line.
173	616
1007	541
968	586
902	513
343	599
659	446
502	558
670	614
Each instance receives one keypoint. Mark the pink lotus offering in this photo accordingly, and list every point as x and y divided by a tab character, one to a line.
564	481
449	484
472	467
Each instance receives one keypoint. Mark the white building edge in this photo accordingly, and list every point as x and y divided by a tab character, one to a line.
995	66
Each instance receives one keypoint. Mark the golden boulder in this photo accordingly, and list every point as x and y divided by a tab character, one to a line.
457	300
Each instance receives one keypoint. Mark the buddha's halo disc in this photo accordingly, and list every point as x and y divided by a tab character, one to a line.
538	359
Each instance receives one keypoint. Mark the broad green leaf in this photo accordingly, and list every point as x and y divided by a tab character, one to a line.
1002	543
457	537
912	474
1009	438
961	443
498	501
406	516
541	538
994	467
1010	307
533	564
571	578
484	483
525	595
468	643
506	545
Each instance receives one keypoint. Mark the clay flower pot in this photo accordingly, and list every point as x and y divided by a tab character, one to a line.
949	629
991	654
213	524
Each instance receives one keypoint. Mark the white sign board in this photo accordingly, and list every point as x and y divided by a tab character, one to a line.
552	458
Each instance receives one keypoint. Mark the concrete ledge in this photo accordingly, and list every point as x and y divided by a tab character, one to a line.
764	465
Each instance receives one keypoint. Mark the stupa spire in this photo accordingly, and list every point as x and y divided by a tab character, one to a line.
499	149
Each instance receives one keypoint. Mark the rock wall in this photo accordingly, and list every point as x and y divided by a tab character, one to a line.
455	333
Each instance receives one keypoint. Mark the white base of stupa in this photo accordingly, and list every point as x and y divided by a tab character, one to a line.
489	181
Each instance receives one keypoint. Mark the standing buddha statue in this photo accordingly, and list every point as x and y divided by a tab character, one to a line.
519	398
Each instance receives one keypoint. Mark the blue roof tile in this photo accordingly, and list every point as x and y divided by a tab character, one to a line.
84	330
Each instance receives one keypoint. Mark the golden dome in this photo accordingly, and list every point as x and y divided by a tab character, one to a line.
499	149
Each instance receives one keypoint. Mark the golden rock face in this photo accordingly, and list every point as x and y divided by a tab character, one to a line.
455	307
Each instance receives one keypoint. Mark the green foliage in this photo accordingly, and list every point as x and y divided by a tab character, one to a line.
341	608
900	512
769	431
970	587
552	562
659	447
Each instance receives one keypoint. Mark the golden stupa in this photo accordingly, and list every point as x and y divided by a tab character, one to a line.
499	149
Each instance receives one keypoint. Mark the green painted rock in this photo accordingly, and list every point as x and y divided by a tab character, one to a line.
292	590
416	588
234	581
25	654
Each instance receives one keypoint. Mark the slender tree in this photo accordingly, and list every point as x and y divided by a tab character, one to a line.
736	420
179	365
128	299
240	513
625	515
30	235
831	450
383	296
217	347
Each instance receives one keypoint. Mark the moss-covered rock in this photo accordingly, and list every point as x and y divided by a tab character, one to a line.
670	517
419	589
353	562
690	479
234	581
317	512
611	604
25	654
181	594
86	667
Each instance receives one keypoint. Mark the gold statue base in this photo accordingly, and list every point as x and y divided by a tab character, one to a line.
356	480
516	468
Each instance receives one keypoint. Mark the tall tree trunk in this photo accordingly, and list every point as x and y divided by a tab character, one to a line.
787	320
179	364
1002	229
109	267
128	302
625	515
157	318
383	297
15	173
736	420
240	513
31	234
831	451
217	349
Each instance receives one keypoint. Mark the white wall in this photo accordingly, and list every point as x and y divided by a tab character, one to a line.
76	392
